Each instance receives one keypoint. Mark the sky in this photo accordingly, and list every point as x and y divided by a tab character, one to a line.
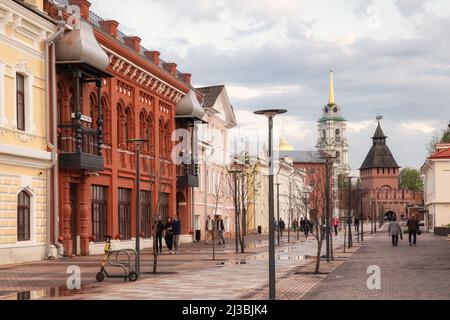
391	57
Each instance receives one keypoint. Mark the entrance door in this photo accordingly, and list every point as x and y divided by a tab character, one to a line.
74	217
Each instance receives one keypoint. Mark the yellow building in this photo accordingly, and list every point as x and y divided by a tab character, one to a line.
25	161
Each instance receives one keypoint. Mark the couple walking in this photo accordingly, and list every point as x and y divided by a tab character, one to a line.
215	225
171	231
395	231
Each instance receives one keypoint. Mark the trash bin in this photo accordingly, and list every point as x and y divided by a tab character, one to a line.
198	235
259	229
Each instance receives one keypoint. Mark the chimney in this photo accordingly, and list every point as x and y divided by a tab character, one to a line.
84	6
172	68
133	42
110	26
187	78
38	4
153	56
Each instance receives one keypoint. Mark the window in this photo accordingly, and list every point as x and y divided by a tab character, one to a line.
197	222
23	216
119	126
146	213
125	213
164	208
227	224
99	213
93	111
20	101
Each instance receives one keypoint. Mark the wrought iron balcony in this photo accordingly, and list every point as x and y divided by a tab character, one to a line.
80	148
187	176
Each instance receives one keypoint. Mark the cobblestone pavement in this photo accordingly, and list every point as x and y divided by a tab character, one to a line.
407	273
189	275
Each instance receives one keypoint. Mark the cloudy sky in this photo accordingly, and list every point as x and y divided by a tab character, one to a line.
390	57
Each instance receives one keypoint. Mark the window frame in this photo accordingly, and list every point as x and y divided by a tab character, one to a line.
124	212
102	220
21	208
21	119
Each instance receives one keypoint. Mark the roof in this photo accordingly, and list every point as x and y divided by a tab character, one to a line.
303	156
211	95
379	134
95	20
442	154
379	155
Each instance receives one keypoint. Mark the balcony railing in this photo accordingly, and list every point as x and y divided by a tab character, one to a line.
80	148
187	175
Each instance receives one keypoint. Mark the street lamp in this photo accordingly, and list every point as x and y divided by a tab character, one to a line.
138	143
278	212
236	172
329	157
270	114
349	218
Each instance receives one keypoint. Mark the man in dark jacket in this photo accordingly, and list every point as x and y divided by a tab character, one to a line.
220	230
159	234
176	227
413	228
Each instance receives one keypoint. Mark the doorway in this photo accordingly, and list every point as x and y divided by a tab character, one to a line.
74	218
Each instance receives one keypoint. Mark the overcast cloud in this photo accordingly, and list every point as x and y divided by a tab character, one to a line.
390	57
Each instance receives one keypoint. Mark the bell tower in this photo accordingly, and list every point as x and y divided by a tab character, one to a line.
332	127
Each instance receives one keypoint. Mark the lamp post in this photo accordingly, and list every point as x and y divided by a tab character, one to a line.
138	143
349	218
270	114
235	172
278	212
329	246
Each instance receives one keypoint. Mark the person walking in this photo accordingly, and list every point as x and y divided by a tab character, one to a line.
356	221
168	227
220	230
176	227
159	235
395	231
336	223
282	226
295	225
209	227
413	228
302	225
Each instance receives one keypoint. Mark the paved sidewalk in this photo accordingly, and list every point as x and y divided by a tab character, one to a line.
407	273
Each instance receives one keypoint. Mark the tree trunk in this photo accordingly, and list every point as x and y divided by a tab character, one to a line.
319	254
155	255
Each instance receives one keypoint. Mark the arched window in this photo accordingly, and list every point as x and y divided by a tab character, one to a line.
151	134
143	129
119	126
168	140
128	127
23	216
106	121
338	132
162	147
338	157
59	103
93	110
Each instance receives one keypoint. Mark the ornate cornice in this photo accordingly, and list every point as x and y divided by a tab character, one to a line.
144	78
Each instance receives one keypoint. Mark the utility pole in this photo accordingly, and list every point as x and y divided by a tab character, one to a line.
349	221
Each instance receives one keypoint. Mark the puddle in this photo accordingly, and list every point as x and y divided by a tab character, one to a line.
293	258
54	292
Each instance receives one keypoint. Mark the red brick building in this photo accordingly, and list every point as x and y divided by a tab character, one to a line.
110	90
379	174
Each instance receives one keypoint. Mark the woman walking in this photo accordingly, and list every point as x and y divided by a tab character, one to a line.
168	227
395	231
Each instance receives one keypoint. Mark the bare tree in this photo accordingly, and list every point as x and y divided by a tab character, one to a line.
313	202
219	197
247	189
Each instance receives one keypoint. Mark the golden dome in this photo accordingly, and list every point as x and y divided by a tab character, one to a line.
284	145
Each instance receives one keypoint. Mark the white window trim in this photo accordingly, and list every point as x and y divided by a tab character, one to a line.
23	69
3	119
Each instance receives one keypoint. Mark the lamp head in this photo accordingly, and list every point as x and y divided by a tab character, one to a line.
270	113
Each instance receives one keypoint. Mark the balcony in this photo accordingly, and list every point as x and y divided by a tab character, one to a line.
79	148
187	176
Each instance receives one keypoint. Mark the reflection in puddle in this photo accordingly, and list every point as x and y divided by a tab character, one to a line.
42	293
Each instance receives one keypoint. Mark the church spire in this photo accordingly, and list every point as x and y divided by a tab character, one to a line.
331	100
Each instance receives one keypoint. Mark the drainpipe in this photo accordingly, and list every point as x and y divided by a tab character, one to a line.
52	146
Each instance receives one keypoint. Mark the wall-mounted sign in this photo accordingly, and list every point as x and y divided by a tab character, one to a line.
83	118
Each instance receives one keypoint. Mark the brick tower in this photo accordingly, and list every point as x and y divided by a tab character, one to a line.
379	170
